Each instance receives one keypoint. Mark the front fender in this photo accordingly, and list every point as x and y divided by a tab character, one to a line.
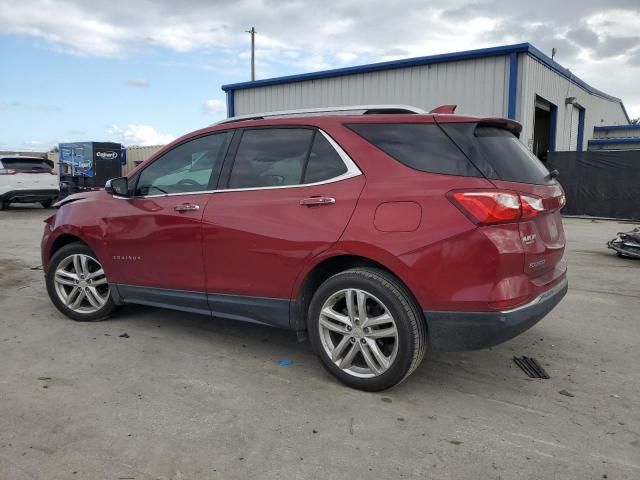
81	223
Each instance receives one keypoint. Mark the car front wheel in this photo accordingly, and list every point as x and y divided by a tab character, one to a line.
78	285
366	328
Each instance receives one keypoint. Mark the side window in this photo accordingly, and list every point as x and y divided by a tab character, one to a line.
270	157
186	168
324	162
420	146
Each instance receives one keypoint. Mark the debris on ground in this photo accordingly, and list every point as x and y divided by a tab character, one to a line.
124	335
39	267
386	400
285	363
531	367
565	393
44	378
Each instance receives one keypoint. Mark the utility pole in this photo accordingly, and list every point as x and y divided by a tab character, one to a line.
253	52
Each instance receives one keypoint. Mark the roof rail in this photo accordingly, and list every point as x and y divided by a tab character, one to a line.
365	109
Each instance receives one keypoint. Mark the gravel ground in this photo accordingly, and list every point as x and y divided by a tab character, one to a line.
186	397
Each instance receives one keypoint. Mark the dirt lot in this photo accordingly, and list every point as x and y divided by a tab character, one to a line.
186	397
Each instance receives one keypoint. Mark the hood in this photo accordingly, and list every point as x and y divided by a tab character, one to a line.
79	196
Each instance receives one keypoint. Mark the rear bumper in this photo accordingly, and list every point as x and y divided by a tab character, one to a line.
29	196
458	331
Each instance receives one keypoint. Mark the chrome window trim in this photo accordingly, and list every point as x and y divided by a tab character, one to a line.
352	171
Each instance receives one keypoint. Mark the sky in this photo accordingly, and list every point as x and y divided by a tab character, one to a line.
146	72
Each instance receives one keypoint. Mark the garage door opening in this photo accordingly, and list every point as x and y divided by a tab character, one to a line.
544	128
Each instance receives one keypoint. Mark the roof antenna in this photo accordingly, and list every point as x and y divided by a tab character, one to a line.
553	53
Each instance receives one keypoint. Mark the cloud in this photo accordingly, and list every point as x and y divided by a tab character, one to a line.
214	107
138	134
297	36
138	82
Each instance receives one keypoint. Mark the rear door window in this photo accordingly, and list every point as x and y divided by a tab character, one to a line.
498	153
270	157
280	157
324	162
420	146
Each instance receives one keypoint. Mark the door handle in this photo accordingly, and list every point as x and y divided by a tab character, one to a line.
186	207
317	201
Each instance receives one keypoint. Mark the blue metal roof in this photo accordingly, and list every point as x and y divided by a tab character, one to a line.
602	128
428	60
612	141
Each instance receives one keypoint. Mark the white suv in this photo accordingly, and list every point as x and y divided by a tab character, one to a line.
27	180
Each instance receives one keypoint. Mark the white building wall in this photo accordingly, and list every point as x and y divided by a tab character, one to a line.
478	87
136	155
535	78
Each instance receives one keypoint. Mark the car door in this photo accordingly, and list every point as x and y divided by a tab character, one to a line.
154	238
287	196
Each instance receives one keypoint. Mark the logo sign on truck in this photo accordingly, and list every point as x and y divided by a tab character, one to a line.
107	155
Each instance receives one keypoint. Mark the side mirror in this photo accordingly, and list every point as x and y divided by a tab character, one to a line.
117	186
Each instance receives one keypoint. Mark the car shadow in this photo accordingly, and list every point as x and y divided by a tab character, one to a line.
474	372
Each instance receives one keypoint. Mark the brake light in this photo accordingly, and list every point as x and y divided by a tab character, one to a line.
7	171
491	207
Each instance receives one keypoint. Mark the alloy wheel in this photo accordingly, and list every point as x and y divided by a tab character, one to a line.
358	333
81	284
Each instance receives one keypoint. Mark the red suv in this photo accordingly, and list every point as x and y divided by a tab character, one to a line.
378	235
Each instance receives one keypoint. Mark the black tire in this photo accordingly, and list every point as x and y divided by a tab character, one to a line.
47	203
4	205
74	248
409	320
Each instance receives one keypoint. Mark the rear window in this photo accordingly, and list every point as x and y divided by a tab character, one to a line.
498	153
421	146
30	164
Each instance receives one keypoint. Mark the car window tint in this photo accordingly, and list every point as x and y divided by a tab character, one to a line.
185	168
498	153
28	164
270	157
420	146
324	162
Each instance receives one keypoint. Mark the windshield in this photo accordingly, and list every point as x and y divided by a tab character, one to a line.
26	164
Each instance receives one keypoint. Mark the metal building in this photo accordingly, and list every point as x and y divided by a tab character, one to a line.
558	111
616	137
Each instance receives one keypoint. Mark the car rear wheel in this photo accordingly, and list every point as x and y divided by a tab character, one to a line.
47	203
366	328
77	284
4	205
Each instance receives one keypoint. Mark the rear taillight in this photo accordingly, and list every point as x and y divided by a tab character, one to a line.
491	207
531	206
7	171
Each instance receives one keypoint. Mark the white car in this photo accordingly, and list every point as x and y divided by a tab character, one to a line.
27	180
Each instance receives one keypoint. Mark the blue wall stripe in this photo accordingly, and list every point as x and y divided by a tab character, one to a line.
553	127
580	130
231	108
513	85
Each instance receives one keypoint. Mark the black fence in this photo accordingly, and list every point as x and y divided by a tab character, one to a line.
600	183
